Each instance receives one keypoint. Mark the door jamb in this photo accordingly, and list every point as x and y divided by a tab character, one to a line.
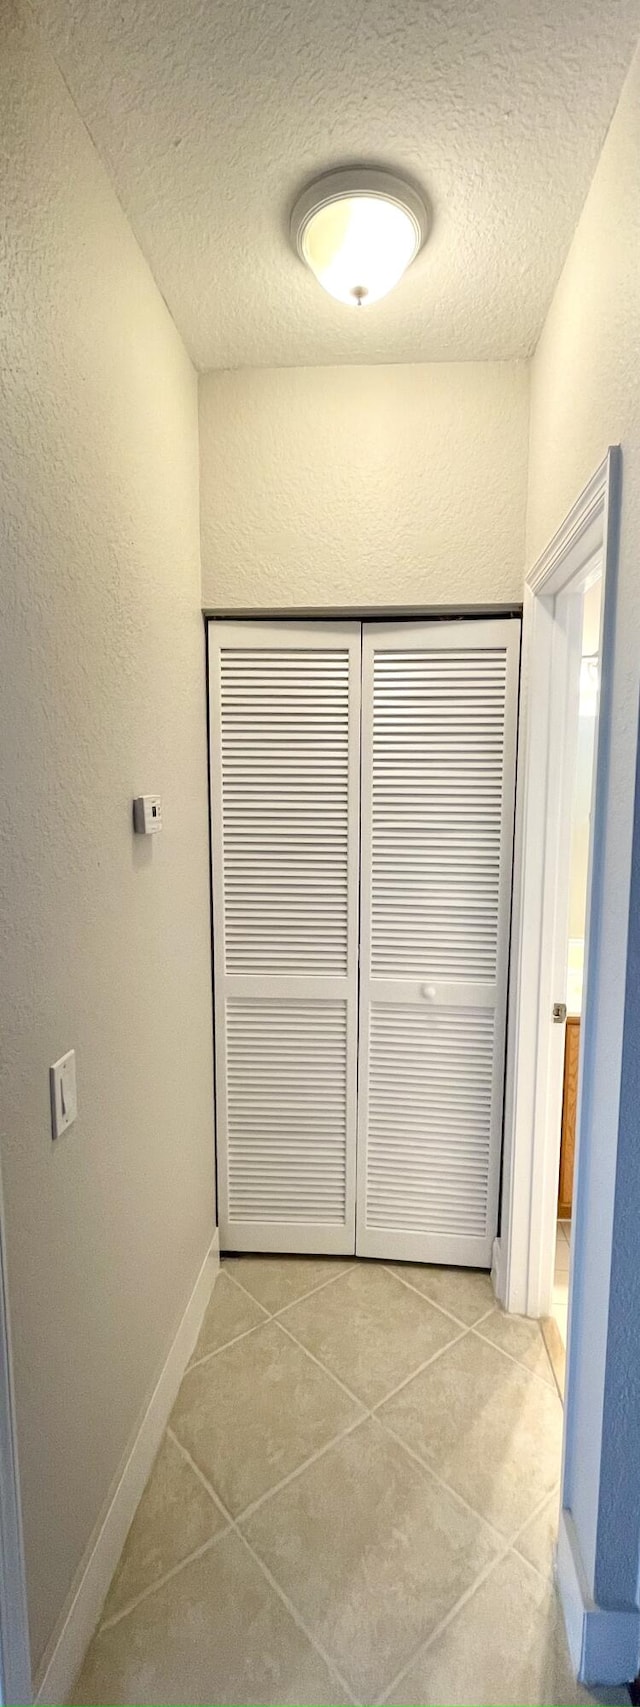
528	1177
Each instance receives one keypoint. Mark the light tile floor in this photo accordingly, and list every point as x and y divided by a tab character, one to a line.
355	1501
554	1327
560	1305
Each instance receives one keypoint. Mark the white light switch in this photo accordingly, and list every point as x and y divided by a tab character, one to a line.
64	1101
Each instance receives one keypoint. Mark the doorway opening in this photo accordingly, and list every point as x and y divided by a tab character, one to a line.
583	622
567	644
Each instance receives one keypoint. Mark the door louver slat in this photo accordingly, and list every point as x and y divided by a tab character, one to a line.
281	783
414	926
445	1179
276	1051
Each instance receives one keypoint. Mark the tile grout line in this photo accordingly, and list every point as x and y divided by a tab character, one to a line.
319	1365
332	1281
508	1542
444	1622
419	1371
503	1553
231	1525
234	1525
470	1327
106	1623
516	1360
541	1576
273	1314
506	1552
542	1502
293	1613
276	1316
198	1361
367	1413
369	1409
371	1414
440	1482
492	1311
207	1485
255	1505
240	1288
159	1582
544	1576
506	1546
435	1306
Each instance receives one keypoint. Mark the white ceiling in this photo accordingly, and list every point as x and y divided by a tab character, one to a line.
211	114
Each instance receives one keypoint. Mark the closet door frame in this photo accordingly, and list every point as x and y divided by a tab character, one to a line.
303	1238
397	1244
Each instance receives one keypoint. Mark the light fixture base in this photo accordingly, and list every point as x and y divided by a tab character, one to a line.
338	234
357	181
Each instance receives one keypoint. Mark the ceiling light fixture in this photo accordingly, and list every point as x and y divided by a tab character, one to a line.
358	231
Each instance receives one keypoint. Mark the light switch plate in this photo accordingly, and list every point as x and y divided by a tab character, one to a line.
147	814
64	1101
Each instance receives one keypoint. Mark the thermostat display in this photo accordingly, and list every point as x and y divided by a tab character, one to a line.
147	814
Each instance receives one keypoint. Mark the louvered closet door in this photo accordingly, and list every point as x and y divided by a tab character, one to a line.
285	732
438	764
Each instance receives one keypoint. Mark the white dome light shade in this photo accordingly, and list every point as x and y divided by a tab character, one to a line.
358	232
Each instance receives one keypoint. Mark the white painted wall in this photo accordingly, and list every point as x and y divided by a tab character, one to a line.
586	395
105	938
351	486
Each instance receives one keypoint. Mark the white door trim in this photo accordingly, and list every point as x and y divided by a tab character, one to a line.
523	1261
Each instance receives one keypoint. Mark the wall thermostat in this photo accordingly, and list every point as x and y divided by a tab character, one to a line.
147	814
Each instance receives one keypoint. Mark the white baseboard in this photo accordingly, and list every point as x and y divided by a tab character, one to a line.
70	1641
604	1643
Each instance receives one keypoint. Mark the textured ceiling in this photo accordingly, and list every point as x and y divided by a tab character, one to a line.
211	114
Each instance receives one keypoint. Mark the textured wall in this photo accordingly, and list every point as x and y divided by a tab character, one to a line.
105	938
585	395
363	486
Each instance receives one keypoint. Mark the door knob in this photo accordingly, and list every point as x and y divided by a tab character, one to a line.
428	990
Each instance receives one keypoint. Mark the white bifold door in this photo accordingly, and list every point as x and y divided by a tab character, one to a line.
285	815
438	777
361	857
